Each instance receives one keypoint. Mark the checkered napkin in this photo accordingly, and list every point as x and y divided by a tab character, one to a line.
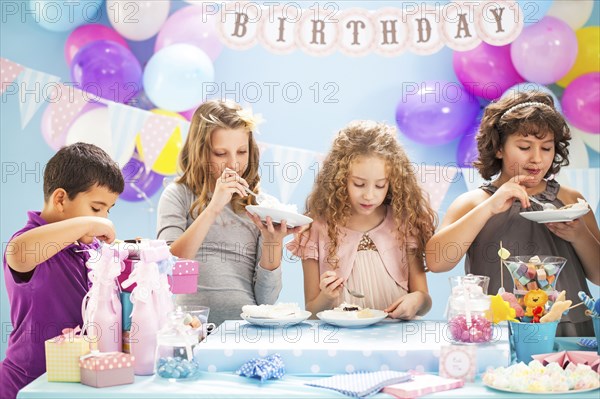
361	384
264	368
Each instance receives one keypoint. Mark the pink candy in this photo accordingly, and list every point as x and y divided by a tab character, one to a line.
479	331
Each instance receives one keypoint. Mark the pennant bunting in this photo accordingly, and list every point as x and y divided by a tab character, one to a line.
436	180
184	128
292	163
586	181
9	71
262	147
34	89
68	104
125	123
472	178
154	135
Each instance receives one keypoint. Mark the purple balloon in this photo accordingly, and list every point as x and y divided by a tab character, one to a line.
435	112
486	71
189	25
107	69
138	181
545	52
467	152
581	102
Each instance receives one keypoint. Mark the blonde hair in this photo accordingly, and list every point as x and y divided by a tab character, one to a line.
329	200
194	158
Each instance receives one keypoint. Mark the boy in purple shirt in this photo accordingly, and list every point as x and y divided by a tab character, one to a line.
44	262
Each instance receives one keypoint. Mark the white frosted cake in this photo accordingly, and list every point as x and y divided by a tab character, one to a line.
348	311
277	311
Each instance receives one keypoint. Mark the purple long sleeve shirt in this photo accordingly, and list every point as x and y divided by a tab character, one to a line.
40	307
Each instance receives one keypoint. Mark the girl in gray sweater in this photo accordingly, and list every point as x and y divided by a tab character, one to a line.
202	214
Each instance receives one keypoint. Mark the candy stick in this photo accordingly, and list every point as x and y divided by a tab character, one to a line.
503	254
574	306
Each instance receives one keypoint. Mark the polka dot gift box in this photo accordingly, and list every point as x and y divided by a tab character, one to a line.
314	347
106	369
185	277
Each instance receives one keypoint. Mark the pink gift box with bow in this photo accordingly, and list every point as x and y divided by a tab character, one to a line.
106	369
185	277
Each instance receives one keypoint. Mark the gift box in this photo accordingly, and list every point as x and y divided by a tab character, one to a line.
185	277
63	353
129	265
126	309
106	369
314	347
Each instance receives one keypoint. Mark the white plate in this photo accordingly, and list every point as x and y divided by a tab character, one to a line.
559	215
541	393
354	323
299	317
292	219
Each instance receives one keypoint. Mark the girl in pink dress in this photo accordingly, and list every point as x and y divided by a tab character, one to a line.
371	223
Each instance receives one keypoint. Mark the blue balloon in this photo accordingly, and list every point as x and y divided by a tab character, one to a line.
175	77
532	86
61	16
534	10
435	113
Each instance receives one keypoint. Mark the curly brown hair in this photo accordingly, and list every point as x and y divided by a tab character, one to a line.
329	200
195	154
501	120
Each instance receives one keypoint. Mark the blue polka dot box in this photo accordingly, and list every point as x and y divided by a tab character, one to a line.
315	347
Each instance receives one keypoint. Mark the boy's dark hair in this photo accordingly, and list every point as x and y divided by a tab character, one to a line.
502	119
78	167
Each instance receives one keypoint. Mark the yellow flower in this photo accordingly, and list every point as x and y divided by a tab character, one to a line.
251	120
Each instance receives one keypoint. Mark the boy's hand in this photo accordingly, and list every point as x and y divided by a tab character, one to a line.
407	306
100	228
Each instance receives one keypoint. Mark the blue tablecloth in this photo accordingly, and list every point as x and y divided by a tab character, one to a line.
229	385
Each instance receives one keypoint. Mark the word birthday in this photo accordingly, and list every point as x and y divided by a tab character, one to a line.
322	29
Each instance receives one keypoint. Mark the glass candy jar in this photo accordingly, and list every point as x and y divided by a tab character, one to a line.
469	313
175	345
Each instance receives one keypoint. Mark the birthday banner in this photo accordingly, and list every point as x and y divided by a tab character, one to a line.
419	27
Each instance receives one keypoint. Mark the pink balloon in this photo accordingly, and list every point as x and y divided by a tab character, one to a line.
190	26
545	52
581	102
486	71
90	33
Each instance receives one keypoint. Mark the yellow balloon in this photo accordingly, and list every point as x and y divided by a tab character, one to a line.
166	163
588	55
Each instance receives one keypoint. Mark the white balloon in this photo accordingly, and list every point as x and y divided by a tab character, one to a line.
93	127
574	12
592	140
137	20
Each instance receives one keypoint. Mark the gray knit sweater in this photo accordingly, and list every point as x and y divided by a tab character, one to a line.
229	276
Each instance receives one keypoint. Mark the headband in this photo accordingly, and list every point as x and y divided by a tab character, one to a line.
523	105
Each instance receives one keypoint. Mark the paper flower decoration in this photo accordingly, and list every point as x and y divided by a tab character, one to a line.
250	119
570	359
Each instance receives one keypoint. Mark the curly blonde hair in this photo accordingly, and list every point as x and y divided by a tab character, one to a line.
526	113
329	200
194	158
